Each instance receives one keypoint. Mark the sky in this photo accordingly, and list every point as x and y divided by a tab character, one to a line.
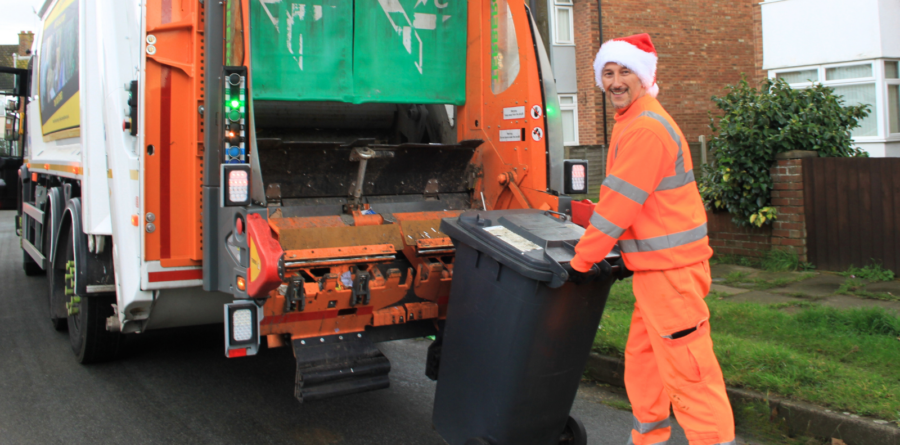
17	16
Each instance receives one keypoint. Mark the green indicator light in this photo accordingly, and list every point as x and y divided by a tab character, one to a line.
235	104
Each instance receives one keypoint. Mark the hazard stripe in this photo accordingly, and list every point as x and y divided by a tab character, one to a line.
674	182
663	242
626	189
645	428
606	226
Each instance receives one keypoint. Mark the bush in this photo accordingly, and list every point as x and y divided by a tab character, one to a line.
757	124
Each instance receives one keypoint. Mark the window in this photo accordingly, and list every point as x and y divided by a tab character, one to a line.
891	70
849	72
799	76
861	94
892	78
568	111
894	108
858	83
563	23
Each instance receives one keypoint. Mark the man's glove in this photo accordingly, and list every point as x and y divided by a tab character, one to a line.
623	271
598	270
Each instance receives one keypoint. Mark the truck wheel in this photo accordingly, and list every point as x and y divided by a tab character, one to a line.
574	433
90	340
31	267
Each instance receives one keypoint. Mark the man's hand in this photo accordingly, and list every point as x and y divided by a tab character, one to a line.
597	270
623	271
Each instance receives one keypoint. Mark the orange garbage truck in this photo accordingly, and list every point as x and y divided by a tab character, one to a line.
282	164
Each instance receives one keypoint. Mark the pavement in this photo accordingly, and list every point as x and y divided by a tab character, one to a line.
747	284
814	286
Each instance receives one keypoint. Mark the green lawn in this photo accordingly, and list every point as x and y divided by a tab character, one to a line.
846	360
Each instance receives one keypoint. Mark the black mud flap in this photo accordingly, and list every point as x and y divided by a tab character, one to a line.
338	365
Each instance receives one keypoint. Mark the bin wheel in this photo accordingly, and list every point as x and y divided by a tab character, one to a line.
477	441
574	433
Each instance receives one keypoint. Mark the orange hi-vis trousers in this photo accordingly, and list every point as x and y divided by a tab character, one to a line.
667	364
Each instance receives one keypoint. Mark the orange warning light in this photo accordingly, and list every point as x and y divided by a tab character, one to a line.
134	220
241	284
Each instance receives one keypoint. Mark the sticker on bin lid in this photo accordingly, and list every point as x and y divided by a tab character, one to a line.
515	240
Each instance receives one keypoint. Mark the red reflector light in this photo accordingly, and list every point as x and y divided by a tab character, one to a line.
234	353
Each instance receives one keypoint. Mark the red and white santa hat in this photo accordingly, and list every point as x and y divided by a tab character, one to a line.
635	52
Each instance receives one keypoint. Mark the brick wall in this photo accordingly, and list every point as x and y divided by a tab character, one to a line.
703	46
789	228
727	238
788	232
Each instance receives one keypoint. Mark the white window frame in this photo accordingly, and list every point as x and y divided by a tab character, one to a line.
557	5
877	78
887	117
574	108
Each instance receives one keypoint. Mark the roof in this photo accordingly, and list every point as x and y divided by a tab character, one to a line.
7	81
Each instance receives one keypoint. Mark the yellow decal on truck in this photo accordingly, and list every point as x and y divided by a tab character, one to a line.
58	76
254	261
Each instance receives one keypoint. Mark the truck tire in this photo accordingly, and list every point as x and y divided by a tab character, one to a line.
31	267
90	340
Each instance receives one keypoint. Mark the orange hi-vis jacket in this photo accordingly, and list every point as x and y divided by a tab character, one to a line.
649	201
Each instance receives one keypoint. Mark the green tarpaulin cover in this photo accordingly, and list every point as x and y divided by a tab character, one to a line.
387	51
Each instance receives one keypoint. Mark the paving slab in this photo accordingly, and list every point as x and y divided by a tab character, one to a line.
820	285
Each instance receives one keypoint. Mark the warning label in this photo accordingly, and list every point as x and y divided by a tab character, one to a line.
512	135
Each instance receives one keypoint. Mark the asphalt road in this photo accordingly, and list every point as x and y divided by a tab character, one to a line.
176	387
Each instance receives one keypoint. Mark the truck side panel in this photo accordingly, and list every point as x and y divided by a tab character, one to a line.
173	152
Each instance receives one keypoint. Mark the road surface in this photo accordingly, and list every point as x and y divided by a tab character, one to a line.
176	387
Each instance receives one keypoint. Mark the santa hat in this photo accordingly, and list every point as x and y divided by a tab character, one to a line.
635	52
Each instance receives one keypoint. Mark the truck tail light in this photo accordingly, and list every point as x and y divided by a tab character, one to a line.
576	176
241	328
236	184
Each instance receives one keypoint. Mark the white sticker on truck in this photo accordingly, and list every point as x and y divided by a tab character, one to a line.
514	113
511	135
516	241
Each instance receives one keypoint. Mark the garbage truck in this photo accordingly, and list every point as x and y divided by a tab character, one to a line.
282	166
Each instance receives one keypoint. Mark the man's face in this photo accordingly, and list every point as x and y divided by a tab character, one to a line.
622	85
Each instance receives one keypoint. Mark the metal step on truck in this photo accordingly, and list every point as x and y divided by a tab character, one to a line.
284	164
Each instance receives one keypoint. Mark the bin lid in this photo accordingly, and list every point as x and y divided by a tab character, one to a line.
532	242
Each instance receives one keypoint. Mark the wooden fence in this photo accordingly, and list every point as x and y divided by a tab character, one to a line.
852	210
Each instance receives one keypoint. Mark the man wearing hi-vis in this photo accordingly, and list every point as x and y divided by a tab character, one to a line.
649	203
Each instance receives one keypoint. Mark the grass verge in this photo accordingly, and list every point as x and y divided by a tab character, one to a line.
841	359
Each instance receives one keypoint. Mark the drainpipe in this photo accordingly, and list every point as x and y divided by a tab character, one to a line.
600	20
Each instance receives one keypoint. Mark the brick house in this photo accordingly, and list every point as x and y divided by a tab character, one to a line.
703	46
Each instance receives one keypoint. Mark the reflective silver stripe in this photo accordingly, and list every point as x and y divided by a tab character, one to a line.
645	428
604	225
631	441
662	242
673	182
681	177
626	189
733	442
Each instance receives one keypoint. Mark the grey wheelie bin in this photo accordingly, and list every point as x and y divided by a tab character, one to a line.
517	334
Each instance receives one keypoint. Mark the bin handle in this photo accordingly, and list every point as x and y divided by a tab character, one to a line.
562	216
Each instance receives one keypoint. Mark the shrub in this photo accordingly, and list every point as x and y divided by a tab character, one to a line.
757	124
